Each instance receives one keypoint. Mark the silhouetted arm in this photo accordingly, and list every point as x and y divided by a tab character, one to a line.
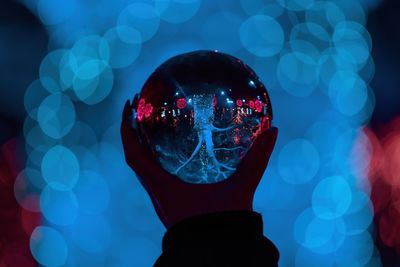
229	238
207	224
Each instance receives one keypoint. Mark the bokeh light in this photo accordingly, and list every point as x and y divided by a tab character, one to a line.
359	215
30	220
56	115
343	151
36	134
125	46
331	197
296	5
298	73
48	246
298	161
352	10
92	193
177	11
91	233
383	174
87	158
59	207
348	92
326	14
92	47
88	47
141	17
391	167
329	63
60	168
34	95
357	250
35	156
27	187
350	43
49	71
320	235
52	13
93	81
258	40
81	134
360	156
269	7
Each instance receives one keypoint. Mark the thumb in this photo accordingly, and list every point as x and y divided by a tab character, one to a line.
140	158
252	167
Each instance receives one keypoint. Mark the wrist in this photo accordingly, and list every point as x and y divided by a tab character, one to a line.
228	238
216	225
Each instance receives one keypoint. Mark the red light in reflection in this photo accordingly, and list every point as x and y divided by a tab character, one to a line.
181	103
265	123
239	103
141	109
142	102
258	105
236	139
251	104
148	109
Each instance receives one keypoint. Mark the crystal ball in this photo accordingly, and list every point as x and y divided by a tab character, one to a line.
200	112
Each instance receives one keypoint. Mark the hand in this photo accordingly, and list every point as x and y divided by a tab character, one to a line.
174	199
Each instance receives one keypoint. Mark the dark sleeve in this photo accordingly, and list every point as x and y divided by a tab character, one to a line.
233	238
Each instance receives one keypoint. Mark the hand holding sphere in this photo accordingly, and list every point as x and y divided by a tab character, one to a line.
175	200
231	144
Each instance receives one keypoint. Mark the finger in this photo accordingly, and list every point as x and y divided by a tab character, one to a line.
139	158
135	101
253	165
130	138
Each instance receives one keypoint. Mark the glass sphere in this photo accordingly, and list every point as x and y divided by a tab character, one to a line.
199	114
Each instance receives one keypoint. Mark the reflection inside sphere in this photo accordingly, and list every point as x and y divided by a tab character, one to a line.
199	114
